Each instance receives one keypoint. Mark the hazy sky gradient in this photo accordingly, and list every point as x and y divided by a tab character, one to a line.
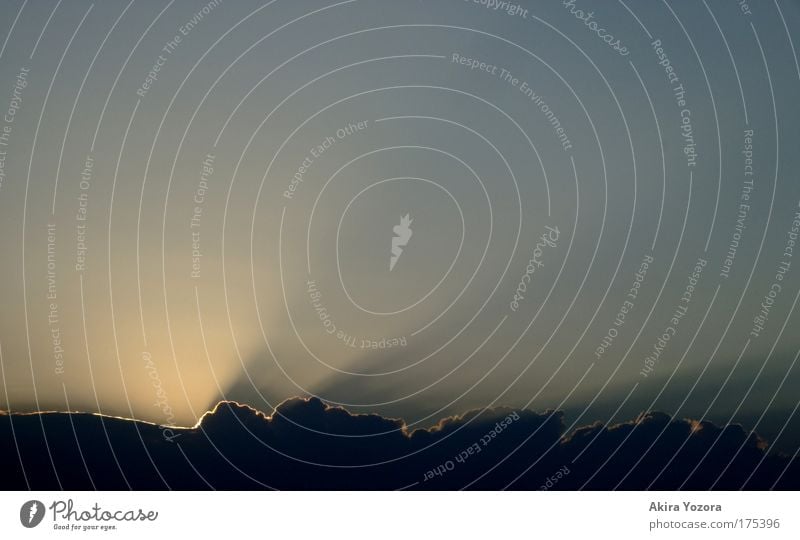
462	151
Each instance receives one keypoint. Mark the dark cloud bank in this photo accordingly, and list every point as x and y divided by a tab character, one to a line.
237	447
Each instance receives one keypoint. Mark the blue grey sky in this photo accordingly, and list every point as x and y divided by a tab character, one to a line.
199	201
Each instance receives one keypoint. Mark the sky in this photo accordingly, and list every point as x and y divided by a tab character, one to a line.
202	201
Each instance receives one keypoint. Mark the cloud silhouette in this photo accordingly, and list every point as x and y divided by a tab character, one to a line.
307	444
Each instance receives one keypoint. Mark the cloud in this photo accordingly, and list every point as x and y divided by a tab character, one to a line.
307	444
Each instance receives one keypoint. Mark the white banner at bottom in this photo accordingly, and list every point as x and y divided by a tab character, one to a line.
388	515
